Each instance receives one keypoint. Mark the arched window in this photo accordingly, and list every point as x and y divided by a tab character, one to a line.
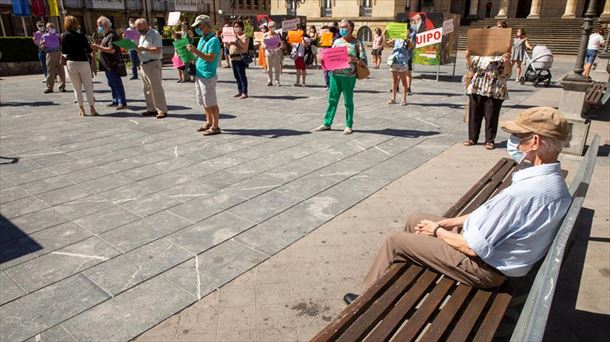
365	34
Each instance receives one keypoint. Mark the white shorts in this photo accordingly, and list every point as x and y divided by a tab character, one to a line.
205	88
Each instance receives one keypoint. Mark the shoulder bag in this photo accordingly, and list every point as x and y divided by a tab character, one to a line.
362	71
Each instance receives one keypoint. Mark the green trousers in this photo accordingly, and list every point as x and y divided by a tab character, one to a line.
338	85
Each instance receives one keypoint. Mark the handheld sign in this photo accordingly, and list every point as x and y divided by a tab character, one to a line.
132	35
51	41
272	42
326	39
258	37
126	44
295	37
173	18
397	30
429	37
228	35
290	25
486	42
447	26
335	58
181	50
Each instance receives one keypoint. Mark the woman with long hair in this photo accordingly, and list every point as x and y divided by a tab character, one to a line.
520	43
237	50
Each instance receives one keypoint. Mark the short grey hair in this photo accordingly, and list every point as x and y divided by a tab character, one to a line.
553	145
104	21
141	21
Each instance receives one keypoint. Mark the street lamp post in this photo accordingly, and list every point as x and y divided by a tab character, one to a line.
291	6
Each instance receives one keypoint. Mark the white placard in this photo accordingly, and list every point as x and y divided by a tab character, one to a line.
447	26
429	37
290	25
173	18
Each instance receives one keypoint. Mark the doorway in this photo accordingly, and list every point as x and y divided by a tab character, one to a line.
523	8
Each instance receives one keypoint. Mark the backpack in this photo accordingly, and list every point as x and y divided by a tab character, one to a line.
295	52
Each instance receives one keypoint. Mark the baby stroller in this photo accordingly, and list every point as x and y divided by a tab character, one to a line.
538	67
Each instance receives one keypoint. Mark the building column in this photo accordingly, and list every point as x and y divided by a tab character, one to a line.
503	12
570	12
606	14
535	9
473	11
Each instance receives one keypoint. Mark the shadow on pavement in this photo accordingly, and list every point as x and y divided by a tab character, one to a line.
196	117
279	97
9	160
271	133
14	242
407	133
30	104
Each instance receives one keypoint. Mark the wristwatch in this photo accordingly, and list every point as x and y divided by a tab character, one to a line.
438	226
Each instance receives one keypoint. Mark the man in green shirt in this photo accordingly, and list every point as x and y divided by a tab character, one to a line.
208	55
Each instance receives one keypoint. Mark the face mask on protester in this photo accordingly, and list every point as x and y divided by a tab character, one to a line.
198	31
343	32
52	31
512	146
41	28
237	30
100	29
132	25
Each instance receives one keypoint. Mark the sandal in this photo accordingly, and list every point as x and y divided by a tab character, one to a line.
469	142
212	131
403	103
490	146
392	102
204	128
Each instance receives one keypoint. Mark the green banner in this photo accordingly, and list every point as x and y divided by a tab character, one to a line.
126	44
180	46
397	30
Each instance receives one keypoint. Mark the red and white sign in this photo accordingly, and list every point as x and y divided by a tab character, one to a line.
429	37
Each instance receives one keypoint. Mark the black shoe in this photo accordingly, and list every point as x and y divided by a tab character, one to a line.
349	298
149	114
133	78
112	105
62	89
409	92
48	91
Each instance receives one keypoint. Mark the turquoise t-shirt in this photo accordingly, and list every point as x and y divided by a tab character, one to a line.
208	44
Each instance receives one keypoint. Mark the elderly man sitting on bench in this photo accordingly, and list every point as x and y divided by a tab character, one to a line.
509	233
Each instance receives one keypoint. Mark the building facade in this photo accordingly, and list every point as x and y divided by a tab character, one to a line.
370	14
119	11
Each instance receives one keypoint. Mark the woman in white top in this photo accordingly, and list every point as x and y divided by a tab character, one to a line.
596	41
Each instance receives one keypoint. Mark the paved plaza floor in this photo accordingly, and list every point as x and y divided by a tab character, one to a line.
113	224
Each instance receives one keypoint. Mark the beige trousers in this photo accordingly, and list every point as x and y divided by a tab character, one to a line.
433	253
54	69
274	65
153	89
80	76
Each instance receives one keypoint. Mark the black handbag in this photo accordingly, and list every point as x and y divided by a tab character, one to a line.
246	58
191	69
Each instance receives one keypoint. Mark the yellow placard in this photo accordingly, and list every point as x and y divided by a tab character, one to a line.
326	39
295	37
397	30
258	37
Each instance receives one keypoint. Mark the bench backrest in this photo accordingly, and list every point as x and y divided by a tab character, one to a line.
533	318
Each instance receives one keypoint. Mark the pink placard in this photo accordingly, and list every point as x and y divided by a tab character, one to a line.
177	62
272	42
132	35
228	35
334	58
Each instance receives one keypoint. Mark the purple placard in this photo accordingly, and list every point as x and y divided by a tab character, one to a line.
272	42
51	41
132	35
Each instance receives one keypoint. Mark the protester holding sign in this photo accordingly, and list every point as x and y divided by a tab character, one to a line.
111	62
150	54
344	80
132	34
300	45
273	50
400	62
486	82
50	42
238	49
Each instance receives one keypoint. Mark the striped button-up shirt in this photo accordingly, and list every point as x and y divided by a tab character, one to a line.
514	229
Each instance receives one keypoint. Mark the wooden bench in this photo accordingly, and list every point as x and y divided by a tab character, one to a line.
412	303
594	93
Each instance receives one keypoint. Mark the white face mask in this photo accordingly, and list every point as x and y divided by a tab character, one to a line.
41	28
132	25
52	31
512	146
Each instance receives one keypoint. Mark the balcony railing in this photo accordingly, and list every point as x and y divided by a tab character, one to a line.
366	11
106	4
328	11
134	4
183	5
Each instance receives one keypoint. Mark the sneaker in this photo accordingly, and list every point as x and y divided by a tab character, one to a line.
297	84
123	106
269	84
278	84
347	131
62	89
322	128
161	115
243	96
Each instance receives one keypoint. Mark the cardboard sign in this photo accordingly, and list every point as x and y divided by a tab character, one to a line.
258	37
173	18
489	42
397	30
295	37
272	42
228	35
290	25
326	39
447	26
429	37
335	58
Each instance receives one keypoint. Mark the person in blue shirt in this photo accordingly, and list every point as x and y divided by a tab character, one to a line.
208	56
506	235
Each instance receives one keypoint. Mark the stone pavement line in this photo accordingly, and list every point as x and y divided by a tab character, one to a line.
75	164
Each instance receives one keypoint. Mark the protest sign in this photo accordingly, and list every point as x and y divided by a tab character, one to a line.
489	42
181	50
295	37
326	39
272	42
132	35
397	30
335	58
429	37
258	37
173	18
126	44
228	35
447	26
51	41
290	25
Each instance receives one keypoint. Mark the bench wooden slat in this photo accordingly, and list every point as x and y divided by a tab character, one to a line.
446	315
382	306
467	197
419	319
468	319
495	182
494	316
353	311
400	311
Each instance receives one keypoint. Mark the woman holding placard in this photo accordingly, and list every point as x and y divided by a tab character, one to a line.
399	65
344	80
272	44
238	47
